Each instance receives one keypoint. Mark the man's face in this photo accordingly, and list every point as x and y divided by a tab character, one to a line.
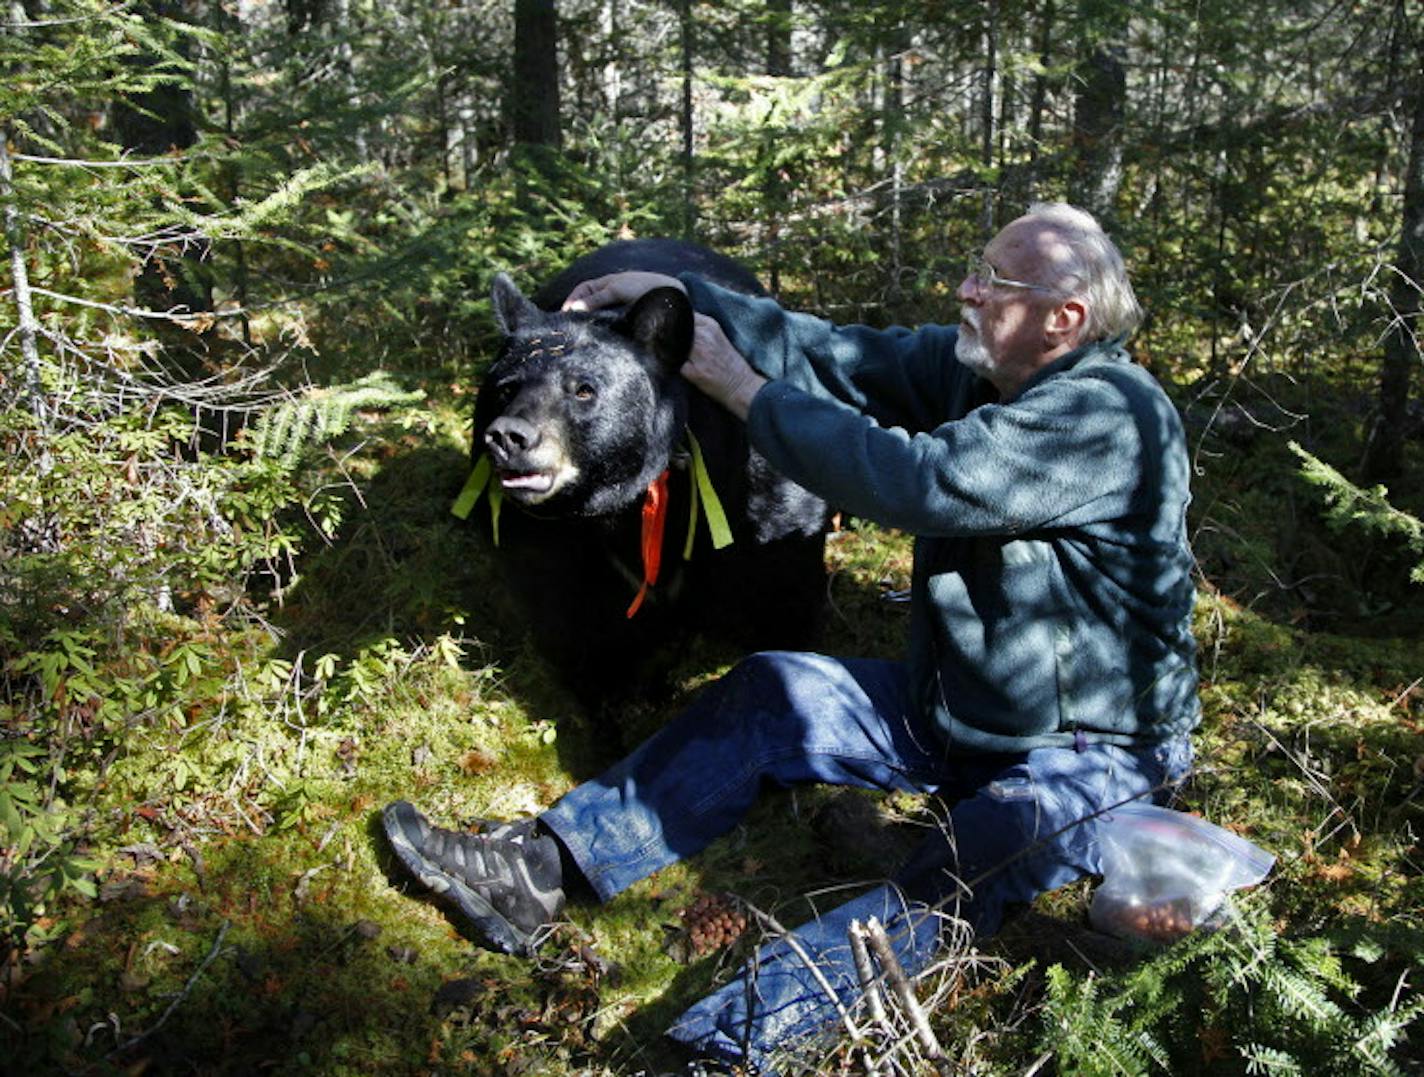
1002	333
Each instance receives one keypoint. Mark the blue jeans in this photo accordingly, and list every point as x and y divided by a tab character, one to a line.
1018	825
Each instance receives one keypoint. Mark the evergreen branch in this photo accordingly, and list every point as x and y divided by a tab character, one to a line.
179	315
79	162
296	187
1381	1031
1299	996
289	428
1263	1059
79	20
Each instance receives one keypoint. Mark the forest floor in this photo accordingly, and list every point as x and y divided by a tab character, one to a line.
224	939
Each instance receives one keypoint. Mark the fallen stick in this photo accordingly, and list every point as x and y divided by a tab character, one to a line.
869	982
902	989
777	930
870	988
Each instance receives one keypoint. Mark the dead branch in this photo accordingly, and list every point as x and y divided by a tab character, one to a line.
901	987
774	926
865	971
870	988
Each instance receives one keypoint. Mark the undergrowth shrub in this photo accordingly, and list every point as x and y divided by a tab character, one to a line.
1240	996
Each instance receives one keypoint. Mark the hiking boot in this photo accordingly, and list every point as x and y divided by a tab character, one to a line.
506	882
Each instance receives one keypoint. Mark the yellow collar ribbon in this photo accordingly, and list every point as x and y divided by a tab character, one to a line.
702	490
474	486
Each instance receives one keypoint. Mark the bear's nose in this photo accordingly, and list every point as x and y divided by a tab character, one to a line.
508	435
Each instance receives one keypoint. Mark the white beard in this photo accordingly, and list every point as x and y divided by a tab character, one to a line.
969	349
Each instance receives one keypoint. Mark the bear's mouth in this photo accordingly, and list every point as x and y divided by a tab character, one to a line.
534	486
527	482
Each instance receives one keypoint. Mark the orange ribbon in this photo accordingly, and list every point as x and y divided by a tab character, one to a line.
655	504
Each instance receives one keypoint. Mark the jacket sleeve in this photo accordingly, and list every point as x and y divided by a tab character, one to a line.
898	377
1067	453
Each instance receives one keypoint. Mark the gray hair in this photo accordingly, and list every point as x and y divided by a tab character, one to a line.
1095	269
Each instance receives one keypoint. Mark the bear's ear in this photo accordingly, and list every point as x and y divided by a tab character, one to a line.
511	309
661	321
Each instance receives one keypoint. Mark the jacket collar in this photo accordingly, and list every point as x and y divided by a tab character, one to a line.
1110	350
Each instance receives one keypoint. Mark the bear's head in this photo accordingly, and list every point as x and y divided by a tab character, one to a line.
579	413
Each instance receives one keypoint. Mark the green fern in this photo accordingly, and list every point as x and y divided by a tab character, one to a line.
1261	1059
1382	1031
1088	1037
289	428
1242	995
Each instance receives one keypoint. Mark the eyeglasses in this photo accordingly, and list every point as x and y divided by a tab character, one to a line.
985	277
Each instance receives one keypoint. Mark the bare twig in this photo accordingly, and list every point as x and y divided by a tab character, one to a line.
901	987
779	931
1038	1064
26	323
122	162
869	982
177	315
182	995
870	988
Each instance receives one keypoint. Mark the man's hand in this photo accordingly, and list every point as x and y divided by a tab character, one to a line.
617	289
714	366
719	370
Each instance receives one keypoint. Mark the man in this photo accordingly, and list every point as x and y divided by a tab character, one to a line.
1051	667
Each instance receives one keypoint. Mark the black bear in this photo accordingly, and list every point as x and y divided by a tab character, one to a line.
625	506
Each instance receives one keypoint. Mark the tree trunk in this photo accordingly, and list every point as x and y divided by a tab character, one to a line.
1039	102
986	113
778	65
346	60
1098	109
303	15
611	76
27	326
896	35
152	124
778	38
534	95
689	208
1384	455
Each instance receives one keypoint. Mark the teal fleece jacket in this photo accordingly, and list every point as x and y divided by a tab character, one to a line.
1052	592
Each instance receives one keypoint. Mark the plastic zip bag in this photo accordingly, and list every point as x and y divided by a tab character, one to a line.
1166	873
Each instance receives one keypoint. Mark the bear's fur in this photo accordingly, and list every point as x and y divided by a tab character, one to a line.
579	414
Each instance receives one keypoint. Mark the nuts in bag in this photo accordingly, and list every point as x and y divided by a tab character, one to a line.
1166	873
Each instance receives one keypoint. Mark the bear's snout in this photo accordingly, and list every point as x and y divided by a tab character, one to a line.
508	437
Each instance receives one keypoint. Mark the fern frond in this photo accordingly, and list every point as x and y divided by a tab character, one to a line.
1263	1059
1381	1031
1301	997
288	429
1317	958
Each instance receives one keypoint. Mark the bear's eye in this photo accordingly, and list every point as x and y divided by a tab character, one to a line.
584	391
